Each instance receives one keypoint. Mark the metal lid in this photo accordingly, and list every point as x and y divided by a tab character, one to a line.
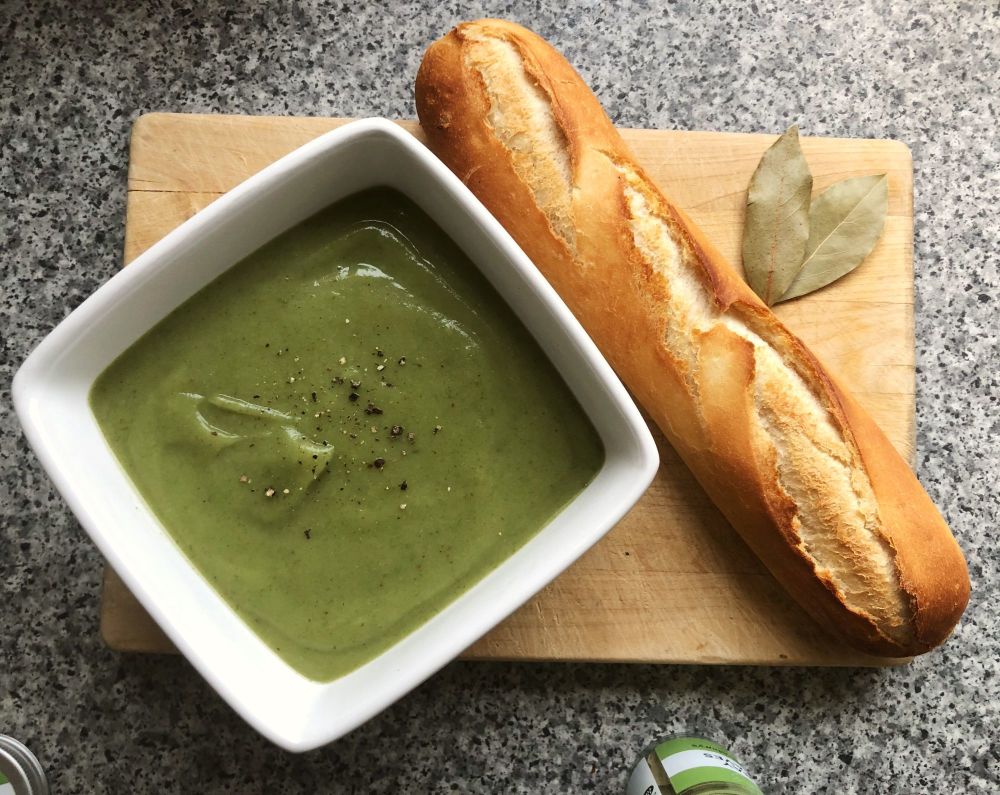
21	768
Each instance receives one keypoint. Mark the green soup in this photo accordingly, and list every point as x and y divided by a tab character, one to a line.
346	430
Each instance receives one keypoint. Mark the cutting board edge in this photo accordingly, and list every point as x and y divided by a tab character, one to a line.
152	640
153	117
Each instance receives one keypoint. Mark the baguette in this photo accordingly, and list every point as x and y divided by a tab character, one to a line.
789	457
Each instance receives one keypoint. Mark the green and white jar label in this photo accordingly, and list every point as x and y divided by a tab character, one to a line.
6	788
689	766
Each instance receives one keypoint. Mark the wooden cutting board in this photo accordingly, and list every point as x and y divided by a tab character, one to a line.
672	583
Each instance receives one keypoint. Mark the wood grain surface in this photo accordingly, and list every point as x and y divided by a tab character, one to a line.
672	583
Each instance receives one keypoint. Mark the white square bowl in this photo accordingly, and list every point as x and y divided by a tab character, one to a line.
51	390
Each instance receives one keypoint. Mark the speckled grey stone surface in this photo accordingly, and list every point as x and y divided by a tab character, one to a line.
73	77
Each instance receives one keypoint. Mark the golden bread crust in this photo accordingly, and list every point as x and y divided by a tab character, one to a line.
789	457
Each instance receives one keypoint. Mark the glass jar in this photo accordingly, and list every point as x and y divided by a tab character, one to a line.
684	764
20	771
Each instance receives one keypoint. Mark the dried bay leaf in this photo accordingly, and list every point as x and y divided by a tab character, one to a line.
845	222
777	218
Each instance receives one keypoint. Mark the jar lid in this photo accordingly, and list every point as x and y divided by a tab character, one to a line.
21	769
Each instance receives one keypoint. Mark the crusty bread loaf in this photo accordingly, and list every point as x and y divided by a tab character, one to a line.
795	464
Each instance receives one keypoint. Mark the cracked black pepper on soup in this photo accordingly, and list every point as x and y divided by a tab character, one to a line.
346	430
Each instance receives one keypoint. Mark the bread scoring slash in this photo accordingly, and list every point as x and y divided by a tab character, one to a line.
790	458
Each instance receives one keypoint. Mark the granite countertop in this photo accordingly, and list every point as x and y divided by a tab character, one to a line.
74	76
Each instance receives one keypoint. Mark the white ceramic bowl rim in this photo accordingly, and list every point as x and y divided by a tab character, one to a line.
50	397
